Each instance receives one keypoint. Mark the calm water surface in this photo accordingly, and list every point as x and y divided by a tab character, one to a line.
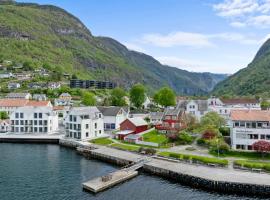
50	172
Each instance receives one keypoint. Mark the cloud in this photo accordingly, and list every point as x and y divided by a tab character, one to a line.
194	65
196	40
232	8
242	13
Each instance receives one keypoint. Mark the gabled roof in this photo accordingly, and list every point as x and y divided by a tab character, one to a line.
240	101
173	111
202	105
137	121
13	102
17	95
250	115
38	103
110	111
87	110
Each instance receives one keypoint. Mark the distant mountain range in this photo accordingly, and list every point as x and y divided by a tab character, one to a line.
49	35
252	80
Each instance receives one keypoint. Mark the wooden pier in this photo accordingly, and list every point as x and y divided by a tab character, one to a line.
102	183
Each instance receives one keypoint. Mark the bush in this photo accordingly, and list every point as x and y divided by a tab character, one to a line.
202	159
253	164
221	147
201	142
185	138
150	151
209	134
173	137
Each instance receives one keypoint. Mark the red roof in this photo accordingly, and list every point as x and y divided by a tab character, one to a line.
239	101
22	102
13	102
38	103
250	115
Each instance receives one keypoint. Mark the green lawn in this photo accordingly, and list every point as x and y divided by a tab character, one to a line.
203	159
155	137
244	155
102	141
126	147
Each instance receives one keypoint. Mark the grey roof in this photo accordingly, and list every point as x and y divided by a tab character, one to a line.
17	95
137	121
182	104
156	115
89	110
133	136
173	111
65	95
110	111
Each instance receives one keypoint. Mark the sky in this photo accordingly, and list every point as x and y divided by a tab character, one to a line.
219	36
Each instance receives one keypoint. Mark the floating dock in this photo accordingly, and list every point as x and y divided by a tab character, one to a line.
99	184
30	138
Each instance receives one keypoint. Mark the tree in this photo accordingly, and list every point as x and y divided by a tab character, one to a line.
212	119
137	95
185	138
165	97
74	76
4	115
265	105
190	121
28	66
261	146
89	99
118	97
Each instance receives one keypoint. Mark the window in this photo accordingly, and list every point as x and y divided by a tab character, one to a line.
70	118
35	129
45	122
74	126
74	118
21	115
35	122
79	135
40	122
236	124
99	115
40	129
17	122
95	125
22	122
268	137
86	134
75	135
99	131
86	126
16	115
40	115
21	129
263	137
70	126
253	124
45	129
242	124
35	115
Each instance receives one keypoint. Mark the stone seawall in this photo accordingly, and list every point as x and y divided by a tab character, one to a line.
221	185
210	185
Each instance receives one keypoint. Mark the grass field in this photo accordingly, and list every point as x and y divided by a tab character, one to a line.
102	141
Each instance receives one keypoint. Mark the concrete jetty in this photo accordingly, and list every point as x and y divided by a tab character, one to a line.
31	138
102	183
225	180
99	184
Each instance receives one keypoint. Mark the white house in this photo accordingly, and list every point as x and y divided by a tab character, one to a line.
34	120
54	85
249	126
39	97
113	116
197	108
84	123
12	86
4	126
6	75
224	106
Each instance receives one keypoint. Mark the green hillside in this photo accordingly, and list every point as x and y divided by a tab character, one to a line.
252	80
49	36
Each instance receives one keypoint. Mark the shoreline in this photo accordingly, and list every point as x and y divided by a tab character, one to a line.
206	178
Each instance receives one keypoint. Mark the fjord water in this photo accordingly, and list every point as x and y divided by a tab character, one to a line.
51	172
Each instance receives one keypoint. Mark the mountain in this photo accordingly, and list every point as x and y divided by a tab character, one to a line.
252	80
49	36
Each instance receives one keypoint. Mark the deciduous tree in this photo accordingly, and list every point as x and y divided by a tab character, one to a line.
137	95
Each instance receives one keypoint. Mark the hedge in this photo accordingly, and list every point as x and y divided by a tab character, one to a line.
203	159
253	164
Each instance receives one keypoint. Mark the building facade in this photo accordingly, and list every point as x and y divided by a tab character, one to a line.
34	120
113	116
248	127
83	123
76	83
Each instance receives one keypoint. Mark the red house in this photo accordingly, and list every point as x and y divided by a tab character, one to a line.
131	126
172	120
